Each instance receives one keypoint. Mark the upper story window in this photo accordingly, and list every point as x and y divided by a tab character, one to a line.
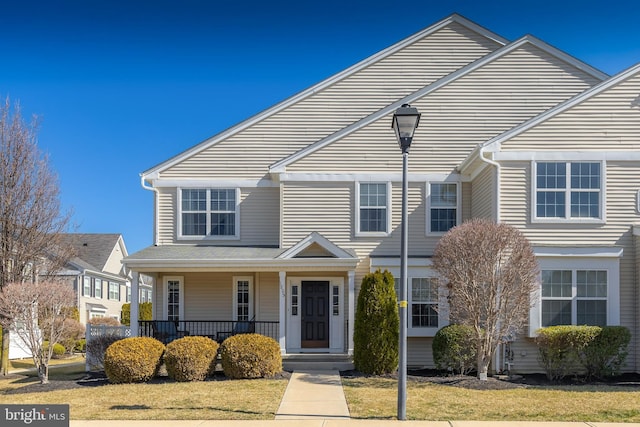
97	288
568	190
210	213
442	214
86	286
373	210
114	291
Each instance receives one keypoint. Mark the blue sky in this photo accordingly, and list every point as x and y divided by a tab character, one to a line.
122	85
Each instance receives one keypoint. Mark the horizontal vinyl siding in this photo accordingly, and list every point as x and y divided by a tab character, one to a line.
336	106
259	218
484	194
623	181
606	121
467	202
267	302
458	116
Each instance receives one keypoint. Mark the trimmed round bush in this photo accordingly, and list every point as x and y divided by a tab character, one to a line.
454	349
560	347
377	325
191	358
58	349
605	355
133	360
250	356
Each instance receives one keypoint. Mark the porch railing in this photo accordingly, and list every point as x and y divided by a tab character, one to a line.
167	331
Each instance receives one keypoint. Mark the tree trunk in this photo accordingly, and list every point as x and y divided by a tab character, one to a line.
483	368
4	363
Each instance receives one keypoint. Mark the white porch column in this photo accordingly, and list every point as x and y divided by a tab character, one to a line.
283	312
352	309
135	298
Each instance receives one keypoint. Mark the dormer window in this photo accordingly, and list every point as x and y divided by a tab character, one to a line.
208	213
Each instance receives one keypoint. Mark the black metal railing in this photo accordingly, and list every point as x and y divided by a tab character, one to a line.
167	331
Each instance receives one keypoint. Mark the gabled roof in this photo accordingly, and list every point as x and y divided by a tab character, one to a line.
494	143
319	244
92	249
455	18
280	166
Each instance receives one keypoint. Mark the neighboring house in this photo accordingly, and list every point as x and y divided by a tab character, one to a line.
277	219
97	274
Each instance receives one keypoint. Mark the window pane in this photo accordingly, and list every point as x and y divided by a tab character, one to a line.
223	224
424	315
591	312
373	195
194	224
551	175
585	204
585	175
444	195
373	220
442	220
223	200
551	204
424	298
556	283
592	283
556	312
194	200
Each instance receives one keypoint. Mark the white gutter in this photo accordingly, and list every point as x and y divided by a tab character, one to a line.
497	193
155	210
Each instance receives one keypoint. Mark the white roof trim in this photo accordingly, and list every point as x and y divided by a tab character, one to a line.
494	143
154	171
317	238
578	251
280	166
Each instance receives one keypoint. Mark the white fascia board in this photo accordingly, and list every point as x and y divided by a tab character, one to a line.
320	86
602	155
319	239
494	144
366	177
577	252
275	264
214	183
280	166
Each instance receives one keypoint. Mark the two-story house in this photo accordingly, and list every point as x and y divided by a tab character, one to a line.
277	219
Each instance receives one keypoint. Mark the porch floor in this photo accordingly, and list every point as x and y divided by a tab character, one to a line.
317	361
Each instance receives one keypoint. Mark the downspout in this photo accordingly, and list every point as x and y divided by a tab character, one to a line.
498	362
156	207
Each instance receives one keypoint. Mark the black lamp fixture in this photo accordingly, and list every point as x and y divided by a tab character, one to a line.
405	122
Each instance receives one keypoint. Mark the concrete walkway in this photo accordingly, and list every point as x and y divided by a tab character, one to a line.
313	395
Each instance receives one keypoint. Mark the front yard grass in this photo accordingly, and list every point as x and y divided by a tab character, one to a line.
376	398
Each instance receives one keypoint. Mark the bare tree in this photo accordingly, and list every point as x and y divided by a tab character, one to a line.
34	310
31	219
490	273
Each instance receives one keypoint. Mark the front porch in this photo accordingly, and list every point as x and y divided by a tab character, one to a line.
218	330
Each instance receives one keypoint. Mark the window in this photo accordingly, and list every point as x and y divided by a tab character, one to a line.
373	208
97	287
443	211
173	298
209	212
294	300
569	190
86	286
574	297
114	291
578	286
129	294
424	302
242	298
335	300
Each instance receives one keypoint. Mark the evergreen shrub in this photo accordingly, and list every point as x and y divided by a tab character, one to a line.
454	349
191	358
133	360
250	356
377	325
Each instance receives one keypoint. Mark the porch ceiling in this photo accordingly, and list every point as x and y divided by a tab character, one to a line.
182	258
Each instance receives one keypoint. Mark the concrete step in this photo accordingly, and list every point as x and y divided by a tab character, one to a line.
317	362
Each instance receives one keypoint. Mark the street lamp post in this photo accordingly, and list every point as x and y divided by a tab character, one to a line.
405	122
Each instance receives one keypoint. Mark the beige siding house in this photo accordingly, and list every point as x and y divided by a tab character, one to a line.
275	221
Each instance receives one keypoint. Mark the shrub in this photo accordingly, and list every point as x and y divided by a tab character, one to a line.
605	354
559	348
454	349
96	349
132	360
145	312
191	358
376	328
81	346
58	349
107	321
73	331
250	356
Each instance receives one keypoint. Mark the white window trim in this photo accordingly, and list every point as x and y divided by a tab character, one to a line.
90	293
600	260
118	291
95	288
235	236
428	209
359	233
534	194
417	268
165	296
236	279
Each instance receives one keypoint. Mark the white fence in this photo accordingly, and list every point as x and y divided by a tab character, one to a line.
93	361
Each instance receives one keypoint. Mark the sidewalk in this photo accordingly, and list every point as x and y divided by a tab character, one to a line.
313	395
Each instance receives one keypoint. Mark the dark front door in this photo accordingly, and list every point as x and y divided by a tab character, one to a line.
315	314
